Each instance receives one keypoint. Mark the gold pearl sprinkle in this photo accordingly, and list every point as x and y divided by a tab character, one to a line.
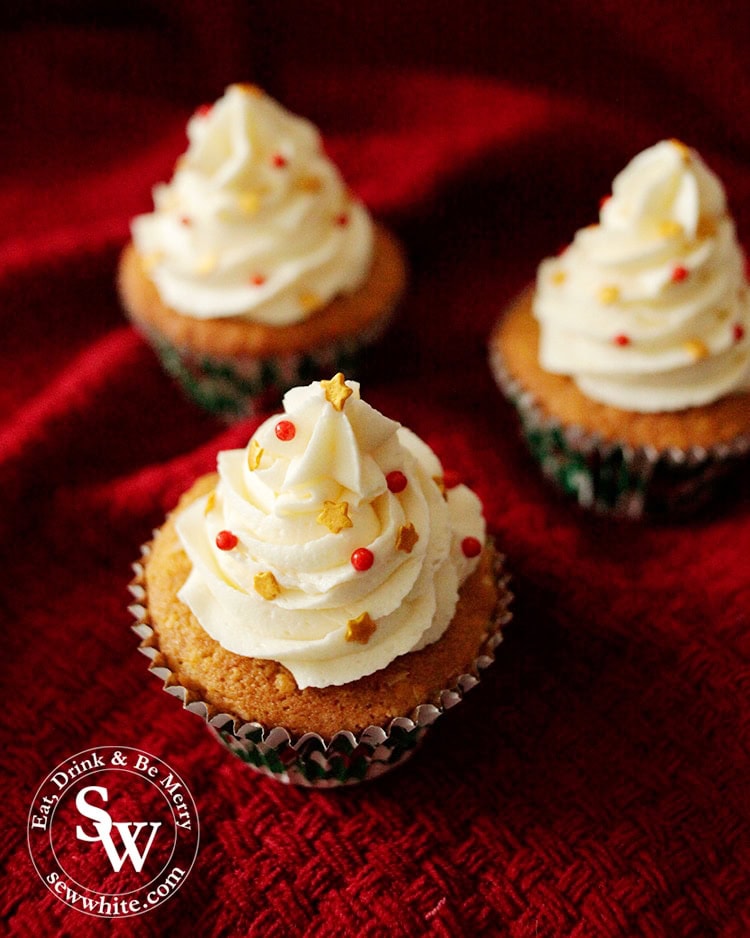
266	585
558	277
206	264
696	349
608	295
360	629
670	229
254	455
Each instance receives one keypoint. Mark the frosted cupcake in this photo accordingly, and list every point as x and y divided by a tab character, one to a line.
630	362
258	268
323	598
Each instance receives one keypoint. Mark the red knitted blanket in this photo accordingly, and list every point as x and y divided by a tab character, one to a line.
596	783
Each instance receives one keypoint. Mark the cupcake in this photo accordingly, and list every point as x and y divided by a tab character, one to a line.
258	268
629	361
323	598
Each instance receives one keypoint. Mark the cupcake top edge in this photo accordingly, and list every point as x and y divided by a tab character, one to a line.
649	309
256	221
330	543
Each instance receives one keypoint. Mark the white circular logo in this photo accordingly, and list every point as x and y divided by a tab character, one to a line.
113	831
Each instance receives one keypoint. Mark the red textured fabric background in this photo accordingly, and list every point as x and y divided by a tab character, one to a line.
596	784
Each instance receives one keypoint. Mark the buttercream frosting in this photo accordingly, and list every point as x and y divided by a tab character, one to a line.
256	221
649	309
343	550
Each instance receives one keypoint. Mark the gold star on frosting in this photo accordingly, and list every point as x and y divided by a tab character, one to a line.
670	229
682	148
254	455
206	264
609	295
706	228
309	183
336	391
696	349
440	482
249	202
266	585
210	502
247	87
149	261
558	277
406	538
309	301
360	629
335	516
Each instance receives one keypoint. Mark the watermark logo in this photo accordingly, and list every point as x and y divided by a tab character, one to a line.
113	831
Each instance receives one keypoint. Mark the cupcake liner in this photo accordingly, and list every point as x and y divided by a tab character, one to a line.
235	387
309	760
613	477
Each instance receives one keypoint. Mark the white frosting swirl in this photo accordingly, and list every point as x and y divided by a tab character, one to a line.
316	591
256	221
649	310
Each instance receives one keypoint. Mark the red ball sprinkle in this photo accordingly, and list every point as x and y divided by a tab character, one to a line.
285	430
279	160
621	340
257	280
738	331
225	540
471	547
203	110
679	274
396	481
342	220
362	559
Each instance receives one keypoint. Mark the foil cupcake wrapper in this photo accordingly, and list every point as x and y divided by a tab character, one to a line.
310	760
613	477
236	387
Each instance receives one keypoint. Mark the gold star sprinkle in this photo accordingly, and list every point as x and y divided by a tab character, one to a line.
336	391
682	148
670	229
254	455
206	264
440	482
249	202
149	261
335	516
309	301
696	349
706	228
266	585
559	277
360	629
210	502
309	183
609	295
406	538
248	87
